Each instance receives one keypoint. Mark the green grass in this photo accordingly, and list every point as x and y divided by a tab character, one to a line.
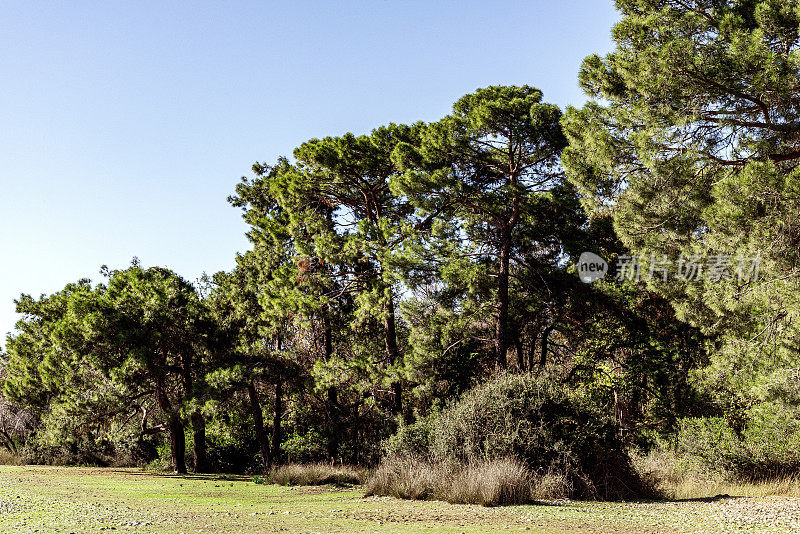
48	499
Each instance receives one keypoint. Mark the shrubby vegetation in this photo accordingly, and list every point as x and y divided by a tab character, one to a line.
533	423
409	301
486	482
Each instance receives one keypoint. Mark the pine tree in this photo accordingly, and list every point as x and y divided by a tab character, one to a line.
487	164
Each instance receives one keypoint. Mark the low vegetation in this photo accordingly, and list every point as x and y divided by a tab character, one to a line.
488	482
541	436
316	474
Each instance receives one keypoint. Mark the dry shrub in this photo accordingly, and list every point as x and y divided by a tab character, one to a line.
486	482
316	474
551	485
10	458
406	478
489	483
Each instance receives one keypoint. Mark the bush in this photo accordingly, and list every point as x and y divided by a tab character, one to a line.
64	439
536	422
767	447
414	440
708	444
305	447
230	441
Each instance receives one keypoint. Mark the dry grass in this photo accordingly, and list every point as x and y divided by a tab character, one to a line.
693	488
317	474
551	485
9	458
678	481
406	478
489	483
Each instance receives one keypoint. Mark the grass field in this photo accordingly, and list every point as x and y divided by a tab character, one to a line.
49	499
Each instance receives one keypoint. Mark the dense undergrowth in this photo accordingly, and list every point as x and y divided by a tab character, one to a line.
512	440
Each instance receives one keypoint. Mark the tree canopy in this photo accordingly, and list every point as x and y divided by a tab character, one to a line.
396	276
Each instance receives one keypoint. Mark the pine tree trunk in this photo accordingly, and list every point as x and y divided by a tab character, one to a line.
198	422
177	441
177	444
199	435
393	353
276	423
501	326
333	396
258	423
532	350
333	426
545	342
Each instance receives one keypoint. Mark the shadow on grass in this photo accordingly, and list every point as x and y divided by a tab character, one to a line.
567	502
715	498
708	499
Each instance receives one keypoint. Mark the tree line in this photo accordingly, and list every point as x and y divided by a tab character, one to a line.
390	273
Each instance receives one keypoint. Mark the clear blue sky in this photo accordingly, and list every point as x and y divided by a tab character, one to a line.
124	126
